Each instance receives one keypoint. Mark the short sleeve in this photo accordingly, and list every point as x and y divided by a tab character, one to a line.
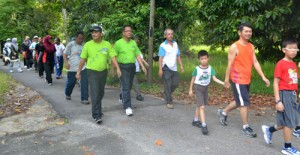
116	48
137	51
161	51
111	51
213	72
194	72
178	53
68	49
277	71
84	53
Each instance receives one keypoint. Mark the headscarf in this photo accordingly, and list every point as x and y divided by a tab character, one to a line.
14	43
50	48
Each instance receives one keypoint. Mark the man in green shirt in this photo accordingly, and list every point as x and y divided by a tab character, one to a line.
95	54
127	52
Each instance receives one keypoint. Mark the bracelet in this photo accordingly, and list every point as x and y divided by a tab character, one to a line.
277	101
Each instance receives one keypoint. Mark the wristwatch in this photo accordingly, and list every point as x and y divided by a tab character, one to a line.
277	101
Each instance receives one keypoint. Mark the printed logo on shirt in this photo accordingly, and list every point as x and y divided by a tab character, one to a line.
293	76
104	50
133	47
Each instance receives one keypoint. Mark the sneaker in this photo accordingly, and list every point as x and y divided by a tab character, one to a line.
204	130
120	101
98	120
249	132
29	69
197	124
86	102
50	84
222	117
11	71
68	97
296	133
162	93
290	151
170	106
140	98
20	70
41	76
267	134
57	77
128	111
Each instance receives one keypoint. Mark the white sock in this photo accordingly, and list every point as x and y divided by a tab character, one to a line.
196	119
204	124
244	126
223	112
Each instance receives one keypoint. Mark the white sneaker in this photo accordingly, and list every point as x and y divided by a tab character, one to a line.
120	101
128	111
20	70
11	71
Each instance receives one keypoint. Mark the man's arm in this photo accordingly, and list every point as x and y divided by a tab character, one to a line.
139	59
259	70
180	63
160	71
231	56
81	64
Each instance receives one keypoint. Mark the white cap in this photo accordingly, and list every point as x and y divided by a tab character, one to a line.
35	37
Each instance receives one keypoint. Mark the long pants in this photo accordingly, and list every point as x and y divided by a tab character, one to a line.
59	68
29	63
71	82
136	86
48	66
128	72
11	65
97	81
41	68
171	81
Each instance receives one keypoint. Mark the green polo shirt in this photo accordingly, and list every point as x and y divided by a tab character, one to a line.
126	51
97	54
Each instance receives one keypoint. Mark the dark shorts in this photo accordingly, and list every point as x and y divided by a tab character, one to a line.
241	94
289	117
201	95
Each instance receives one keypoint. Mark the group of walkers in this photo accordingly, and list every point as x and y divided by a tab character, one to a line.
88	63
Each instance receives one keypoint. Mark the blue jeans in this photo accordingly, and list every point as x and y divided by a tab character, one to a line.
128	72
71	81
97	81
59	68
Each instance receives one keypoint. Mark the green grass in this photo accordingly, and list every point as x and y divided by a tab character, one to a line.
5	83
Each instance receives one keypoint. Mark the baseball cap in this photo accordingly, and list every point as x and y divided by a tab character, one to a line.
35	37
96	28
8	39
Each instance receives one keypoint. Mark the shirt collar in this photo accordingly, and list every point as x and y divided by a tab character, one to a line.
166	41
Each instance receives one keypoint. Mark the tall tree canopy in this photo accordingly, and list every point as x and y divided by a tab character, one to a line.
272	20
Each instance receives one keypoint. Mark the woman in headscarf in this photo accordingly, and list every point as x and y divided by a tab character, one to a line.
48	58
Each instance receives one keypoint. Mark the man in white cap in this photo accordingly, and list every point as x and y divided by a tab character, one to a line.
12	55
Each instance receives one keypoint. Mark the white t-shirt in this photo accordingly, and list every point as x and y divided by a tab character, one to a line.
137	65
73	51
59	49
169	54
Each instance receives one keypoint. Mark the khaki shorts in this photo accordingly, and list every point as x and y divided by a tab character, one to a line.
201	95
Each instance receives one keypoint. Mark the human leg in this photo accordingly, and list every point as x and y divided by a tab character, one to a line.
128	71
70	83
84	86
97	82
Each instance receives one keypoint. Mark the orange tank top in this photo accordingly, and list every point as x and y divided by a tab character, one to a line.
242	65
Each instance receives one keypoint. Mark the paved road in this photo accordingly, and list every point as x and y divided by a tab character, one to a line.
134	135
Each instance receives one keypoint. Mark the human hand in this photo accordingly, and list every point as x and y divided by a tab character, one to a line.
78	76
226	84
191	92
144	70
266	81
280	107
119	72
181	69
160	73
67	66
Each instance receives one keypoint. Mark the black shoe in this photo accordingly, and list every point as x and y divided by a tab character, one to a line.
57	77
204	130
249	132
197	124
98	120
140	98
68	97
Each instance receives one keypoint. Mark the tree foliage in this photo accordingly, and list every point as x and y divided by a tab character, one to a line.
113	14
272	21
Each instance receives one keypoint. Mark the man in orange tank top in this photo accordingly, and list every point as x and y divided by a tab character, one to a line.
241	58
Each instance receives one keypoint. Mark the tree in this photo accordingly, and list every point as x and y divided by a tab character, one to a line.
272	20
